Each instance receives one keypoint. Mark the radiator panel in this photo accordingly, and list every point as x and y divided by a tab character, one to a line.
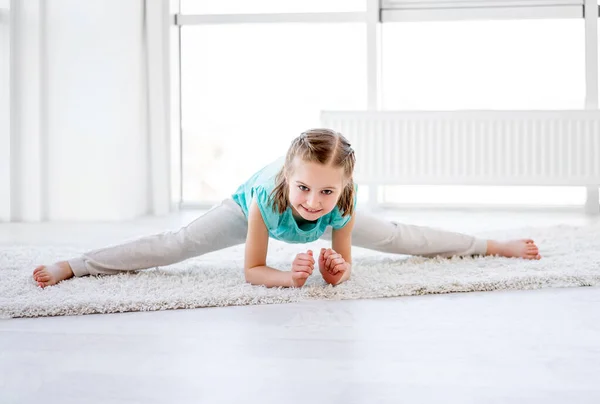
472	147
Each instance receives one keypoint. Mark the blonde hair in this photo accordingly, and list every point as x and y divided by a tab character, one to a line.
323	146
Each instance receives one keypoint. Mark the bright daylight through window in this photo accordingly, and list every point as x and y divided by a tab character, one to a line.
249	88
505	64
269	6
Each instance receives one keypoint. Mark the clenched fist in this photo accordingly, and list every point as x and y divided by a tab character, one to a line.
331	262
302	268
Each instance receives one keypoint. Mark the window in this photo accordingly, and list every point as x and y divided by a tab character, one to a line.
255	87
514	64
270	6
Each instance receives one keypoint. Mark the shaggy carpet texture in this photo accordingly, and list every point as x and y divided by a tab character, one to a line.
571	257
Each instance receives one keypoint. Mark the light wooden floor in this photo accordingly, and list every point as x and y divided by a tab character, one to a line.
497	347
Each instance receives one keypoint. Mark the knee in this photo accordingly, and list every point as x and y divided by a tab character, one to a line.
403	241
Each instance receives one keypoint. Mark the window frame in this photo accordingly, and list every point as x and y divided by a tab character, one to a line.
379	12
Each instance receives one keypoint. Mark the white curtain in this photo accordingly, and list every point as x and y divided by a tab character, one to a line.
88	132
157	63
4	111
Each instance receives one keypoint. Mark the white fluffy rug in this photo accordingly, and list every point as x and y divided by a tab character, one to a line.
571	257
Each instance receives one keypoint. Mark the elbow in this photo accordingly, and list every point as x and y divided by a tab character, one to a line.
250	276
247	274
252	271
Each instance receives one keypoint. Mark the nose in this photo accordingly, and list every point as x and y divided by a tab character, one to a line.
313	201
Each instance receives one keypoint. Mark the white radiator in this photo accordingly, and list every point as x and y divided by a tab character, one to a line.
473	147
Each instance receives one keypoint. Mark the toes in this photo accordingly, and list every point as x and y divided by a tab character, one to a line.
534	256
41	276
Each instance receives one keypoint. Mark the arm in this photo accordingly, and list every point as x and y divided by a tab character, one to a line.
341	242
257	242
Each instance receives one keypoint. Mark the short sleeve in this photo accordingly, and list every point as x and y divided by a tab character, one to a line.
337	220
262	197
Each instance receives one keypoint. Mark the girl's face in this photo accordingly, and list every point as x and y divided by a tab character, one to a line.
314	188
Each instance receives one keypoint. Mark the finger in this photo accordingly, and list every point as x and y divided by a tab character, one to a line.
304	259
338	261
300	275
328	256
337	264
332	257
302	268
340	267
322	256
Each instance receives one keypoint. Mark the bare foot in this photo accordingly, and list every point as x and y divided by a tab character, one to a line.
525	248
48	275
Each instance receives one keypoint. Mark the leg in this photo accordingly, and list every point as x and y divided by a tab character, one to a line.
391	237
223	226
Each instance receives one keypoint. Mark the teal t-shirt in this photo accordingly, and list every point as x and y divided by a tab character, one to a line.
283	226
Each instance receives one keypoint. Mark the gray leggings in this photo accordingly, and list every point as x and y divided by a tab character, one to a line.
225	225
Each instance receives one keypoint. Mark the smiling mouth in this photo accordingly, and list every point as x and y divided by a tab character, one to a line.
311	210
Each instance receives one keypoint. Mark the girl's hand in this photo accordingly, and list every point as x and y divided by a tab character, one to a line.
331	262
302	268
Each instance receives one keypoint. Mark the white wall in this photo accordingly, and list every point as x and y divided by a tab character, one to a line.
80	135
27	164
96	110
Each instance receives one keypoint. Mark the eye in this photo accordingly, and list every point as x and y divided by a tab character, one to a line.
327	191
302	188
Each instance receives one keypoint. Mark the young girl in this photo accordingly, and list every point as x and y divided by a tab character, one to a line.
308	195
